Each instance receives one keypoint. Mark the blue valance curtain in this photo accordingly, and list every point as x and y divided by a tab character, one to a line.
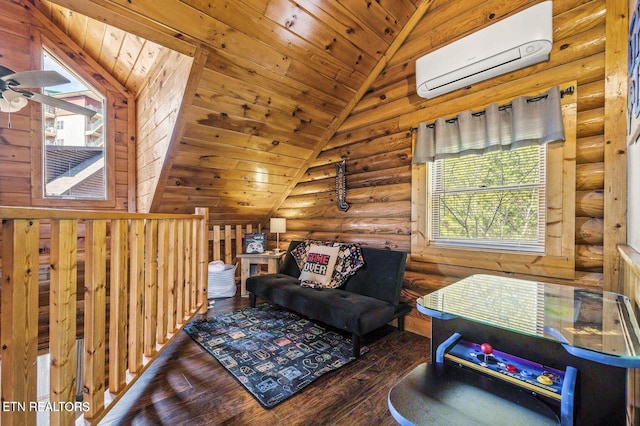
524	121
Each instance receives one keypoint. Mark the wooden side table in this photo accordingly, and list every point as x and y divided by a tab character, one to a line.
249	266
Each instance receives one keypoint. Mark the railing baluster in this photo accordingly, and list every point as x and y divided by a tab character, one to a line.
216	242
157	269
187	268
193	223
203	259
95	299
136	294
227	244
163	280
179	290
239	239
62	320
19	332
150	287
118	306
172	273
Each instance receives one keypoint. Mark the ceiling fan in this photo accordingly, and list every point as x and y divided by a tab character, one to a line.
14	96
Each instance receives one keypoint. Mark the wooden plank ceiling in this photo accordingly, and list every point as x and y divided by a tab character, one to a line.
280	76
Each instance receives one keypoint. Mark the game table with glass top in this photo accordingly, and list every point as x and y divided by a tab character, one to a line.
511	351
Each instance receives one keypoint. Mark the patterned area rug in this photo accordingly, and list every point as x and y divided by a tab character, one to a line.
272	352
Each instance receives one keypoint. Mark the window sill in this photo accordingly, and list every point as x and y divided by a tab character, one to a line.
498	260
72	204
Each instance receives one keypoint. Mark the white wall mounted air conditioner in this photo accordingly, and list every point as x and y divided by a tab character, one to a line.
515	42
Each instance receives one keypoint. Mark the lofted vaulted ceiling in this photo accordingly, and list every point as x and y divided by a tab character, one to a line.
271	82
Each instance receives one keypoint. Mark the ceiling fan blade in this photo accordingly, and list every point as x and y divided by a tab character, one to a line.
5	71
59	103
44	78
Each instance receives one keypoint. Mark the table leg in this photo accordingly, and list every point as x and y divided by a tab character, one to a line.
272	265
245	272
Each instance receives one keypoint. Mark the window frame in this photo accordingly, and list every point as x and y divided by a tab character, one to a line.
38	198
558	259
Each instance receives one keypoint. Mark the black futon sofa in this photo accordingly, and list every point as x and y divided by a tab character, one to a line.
368	300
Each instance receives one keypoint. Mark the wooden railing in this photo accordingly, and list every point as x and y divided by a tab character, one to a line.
145	273
630	268
228	240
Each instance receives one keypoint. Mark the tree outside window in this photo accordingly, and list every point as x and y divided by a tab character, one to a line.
510	211
494	200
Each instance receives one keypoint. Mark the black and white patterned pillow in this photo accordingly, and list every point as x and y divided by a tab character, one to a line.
349	259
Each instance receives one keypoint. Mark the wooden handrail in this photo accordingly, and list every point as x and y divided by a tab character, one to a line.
36	213
152	266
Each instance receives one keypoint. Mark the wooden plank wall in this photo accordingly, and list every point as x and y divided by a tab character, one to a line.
20	161
375	140
158	105
20	145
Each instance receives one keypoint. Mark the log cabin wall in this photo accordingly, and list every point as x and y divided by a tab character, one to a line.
376	141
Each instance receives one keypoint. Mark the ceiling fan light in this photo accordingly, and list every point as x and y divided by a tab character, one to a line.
20	102
11	95
5	106
11	103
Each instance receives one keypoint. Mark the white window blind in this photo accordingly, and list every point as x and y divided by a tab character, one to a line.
496	200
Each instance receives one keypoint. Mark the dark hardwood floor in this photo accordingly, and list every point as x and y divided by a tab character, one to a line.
187	386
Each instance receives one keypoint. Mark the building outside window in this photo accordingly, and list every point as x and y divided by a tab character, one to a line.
74	163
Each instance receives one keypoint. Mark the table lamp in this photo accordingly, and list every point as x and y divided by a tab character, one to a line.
278	225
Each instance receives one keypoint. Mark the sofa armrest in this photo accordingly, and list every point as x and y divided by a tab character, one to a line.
289	265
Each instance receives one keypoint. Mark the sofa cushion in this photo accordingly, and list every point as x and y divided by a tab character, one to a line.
319	266
339	308
349	260
346	311
301	251
381	276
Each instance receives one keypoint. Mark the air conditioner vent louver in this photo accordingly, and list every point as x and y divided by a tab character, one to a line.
513	43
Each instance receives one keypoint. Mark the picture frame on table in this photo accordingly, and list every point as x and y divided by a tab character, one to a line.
255	243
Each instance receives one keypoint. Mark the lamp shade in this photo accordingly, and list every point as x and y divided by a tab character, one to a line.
278	224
